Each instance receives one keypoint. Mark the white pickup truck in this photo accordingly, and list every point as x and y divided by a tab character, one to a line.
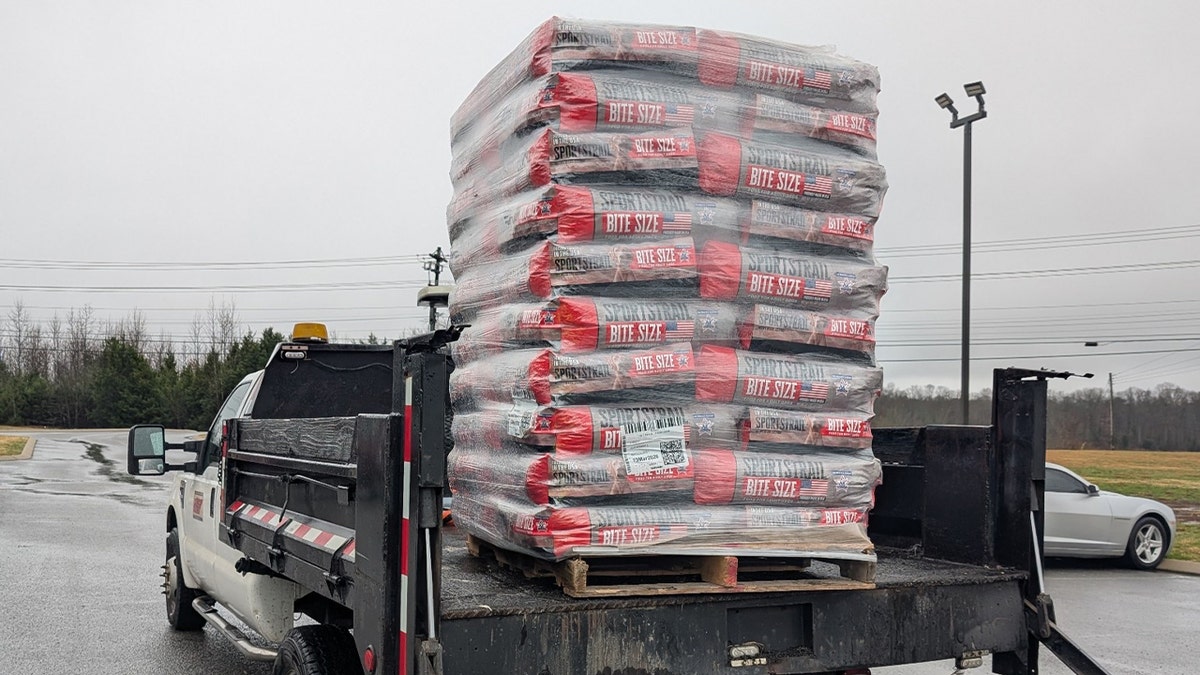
199	562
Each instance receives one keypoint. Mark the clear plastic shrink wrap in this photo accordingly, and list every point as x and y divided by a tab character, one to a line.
662	242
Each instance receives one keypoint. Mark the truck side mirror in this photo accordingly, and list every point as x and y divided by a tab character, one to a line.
147	452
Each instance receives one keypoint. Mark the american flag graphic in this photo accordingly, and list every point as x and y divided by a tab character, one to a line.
814	391
680	330
677	222
813	488
818	289
821	186
818	79
678	114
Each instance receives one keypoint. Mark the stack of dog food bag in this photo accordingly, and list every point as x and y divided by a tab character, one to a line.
662	242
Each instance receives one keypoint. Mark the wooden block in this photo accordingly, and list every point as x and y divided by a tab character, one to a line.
572	574
473	546
858	570
721	570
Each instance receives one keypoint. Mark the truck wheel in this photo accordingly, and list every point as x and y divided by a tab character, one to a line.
317	650
180	613
1147	544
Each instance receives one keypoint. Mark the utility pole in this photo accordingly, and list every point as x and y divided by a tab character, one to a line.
434	267
1111	419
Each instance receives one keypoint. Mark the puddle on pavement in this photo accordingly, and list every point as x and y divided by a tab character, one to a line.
116	496
95	452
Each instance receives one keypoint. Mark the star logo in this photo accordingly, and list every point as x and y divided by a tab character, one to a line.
841	384
844	77
704	423
685	255
708	110
684	359
846	282
708	320
685	144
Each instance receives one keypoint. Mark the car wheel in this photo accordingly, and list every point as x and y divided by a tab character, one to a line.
1147	544
317	650
180	613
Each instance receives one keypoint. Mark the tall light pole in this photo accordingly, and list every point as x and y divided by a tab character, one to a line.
976	90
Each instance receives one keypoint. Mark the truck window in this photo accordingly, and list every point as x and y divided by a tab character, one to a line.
212	444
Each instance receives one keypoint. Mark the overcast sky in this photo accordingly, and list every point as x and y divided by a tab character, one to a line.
142	142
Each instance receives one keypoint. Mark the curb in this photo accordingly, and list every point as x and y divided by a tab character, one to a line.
1180	567
25	454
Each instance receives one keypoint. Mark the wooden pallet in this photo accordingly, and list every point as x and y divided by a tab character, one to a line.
624	576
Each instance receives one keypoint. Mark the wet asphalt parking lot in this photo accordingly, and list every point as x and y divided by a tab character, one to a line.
81	544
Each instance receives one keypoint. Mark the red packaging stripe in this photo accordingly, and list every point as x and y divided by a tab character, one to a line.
716	477
580	325
539	161
716	374
720	269
539	376
539	271
719	59
570	528
542	61
720	158
576	214
573	431
576	95
537	479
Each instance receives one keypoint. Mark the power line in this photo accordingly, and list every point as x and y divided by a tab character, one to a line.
1037	356
1038	243
1059	272
1063	306
261	288
97	265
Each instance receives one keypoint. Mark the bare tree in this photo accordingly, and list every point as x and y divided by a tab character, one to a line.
18	320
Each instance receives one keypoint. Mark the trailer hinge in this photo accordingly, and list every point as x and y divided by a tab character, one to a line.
1039	615
336	582
430	661
276	556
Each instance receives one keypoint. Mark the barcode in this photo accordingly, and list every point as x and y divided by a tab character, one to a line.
655	424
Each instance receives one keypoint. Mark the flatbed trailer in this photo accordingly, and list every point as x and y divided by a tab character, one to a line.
350	508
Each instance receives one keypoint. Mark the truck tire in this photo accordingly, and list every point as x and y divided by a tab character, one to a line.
317	650
180	613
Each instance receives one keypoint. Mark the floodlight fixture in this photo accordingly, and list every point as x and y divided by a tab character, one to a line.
975	90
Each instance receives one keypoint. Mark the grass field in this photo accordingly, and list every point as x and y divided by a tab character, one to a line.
12	445
1170	477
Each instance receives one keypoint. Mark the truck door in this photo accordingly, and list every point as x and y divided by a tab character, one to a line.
203	493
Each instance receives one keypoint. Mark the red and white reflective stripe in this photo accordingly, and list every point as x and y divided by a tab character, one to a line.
267	517
405	498
324	539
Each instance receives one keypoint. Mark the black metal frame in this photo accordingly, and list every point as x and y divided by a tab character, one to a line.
957	494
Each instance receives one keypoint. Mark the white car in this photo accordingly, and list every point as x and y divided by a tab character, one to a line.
1083	521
